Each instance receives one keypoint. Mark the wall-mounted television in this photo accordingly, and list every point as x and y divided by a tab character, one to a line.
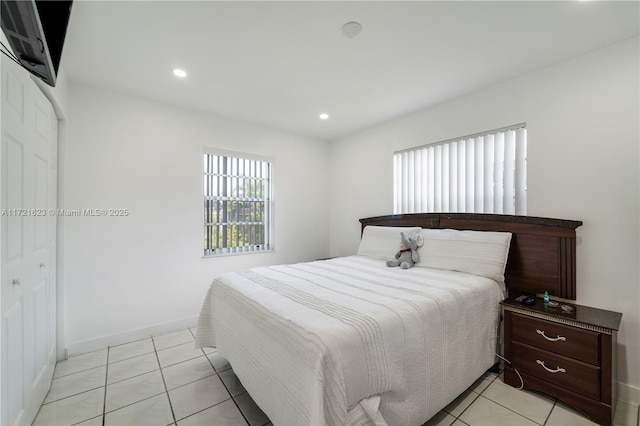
35	30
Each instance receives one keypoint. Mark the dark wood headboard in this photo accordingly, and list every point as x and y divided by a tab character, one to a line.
542	255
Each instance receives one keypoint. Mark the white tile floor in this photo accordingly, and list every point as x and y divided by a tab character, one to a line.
163	381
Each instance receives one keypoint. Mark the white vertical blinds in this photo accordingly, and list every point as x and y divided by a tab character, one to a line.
481	173
237	204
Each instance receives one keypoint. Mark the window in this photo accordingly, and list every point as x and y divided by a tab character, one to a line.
238	203
481	173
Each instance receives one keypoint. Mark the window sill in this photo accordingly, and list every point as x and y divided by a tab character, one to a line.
213	256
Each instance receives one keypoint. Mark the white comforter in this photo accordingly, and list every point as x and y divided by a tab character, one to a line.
350	341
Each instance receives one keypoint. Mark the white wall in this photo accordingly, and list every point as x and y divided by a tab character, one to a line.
582	120
127	276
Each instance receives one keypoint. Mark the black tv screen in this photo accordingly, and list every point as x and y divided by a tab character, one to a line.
54	17
36	30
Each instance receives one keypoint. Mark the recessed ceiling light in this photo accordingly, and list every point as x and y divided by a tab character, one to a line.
179	73
324	116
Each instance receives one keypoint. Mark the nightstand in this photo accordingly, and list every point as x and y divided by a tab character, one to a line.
570	356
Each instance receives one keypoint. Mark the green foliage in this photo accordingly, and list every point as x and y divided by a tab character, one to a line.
233	224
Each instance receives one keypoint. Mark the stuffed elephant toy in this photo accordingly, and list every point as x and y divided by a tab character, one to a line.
408	254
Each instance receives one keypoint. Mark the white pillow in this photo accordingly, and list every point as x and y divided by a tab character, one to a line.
481	253
383	242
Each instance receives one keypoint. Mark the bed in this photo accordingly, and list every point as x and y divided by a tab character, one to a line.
350	341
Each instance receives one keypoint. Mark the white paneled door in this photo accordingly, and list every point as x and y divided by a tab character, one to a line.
28	234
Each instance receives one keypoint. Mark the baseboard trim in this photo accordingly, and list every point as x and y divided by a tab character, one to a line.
629	394
128	336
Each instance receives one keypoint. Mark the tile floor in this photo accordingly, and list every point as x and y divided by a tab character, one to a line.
163	380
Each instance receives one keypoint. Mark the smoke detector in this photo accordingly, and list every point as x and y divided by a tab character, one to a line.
351	29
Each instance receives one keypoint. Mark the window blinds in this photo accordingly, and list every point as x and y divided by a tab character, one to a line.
481	173
237	204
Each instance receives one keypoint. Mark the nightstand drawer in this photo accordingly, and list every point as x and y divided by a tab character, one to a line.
572	342
574	375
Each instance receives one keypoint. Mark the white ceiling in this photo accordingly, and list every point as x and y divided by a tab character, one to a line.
281	64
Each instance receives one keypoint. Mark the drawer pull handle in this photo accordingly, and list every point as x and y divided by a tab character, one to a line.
551	339
557	370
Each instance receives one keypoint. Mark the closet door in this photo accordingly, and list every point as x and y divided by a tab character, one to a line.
27	288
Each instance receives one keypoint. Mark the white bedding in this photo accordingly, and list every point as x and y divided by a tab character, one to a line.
350	340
